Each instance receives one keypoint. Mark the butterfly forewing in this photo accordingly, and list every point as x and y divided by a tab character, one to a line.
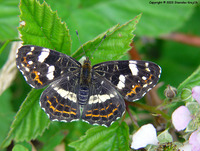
40	66
131	78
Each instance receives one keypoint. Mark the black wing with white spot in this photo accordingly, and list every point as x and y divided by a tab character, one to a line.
59	100
40	66
105	104
131	78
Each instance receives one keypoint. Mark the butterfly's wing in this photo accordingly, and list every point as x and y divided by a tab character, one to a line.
105	104
131	78
59	100
40	66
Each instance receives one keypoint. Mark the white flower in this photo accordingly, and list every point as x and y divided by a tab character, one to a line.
186	147
181	118
194	140
144	136
196	93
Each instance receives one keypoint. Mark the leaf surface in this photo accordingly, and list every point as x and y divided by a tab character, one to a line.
102	138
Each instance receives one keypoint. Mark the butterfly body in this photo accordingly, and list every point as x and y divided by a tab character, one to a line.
94	94
84	84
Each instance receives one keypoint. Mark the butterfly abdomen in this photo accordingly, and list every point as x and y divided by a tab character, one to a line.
83	94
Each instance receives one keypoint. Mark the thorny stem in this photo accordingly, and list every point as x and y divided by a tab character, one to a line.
135	124
183	38
150	109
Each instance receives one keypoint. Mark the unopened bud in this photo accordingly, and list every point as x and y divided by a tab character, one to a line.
170	92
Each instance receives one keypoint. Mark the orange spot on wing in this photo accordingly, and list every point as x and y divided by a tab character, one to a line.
133	90
106	116
112	113
25	62
56	110
37	78
49	102
88	114
56	99
74	113
149	78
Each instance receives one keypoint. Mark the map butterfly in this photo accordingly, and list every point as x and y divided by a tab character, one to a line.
76	91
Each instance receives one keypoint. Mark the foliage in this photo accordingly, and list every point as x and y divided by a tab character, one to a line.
93	19
101	138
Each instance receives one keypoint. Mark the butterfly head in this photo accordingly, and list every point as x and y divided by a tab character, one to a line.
86	71
87	62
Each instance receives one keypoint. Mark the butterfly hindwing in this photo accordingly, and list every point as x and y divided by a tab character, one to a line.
131	78
105	104
40	66
59	100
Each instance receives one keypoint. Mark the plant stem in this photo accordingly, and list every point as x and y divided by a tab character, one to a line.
134	121
150	109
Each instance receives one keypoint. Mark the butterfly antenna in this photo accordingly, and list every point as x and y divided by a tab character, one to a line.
80	42
99	44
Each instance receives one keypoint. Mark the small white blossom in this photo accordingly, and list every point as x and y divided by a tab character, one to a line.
144	136
181	118
186	147
196	93
194	140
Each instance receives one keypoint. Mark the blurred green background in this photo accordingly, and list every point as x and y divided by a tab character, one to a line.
177	59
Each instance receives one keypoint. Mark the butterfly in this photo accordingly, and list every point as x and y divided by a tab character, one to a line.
94	94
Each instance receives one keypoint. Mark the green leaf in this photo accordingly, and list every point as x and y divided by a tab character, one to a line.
192	80
23	145
76	130
52	136
114	46
192	126
189	83
59	132
192	25
194	109
19	147
165	137
30	120
94	19
6	114
186	94
53	141
102	138
42	27
8	19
